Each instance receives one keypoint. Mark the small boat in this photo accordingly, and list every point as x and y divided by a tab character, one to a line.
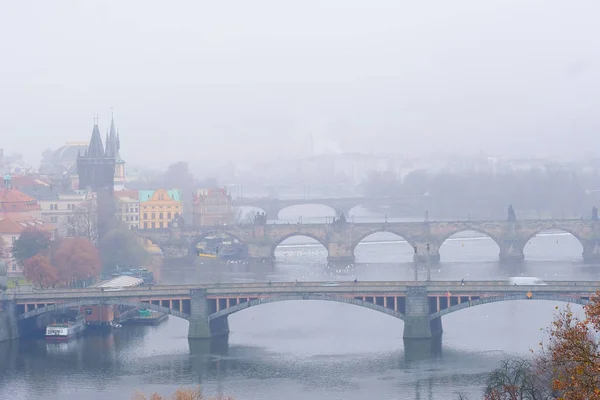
66	329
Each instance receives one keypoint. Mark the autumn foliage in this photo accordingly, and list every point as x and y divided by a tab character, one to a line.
40	271
48	263
572	355
76	259
181	394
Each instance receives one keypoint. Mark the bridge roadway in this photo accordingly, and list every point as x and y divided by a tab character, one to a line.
419	304
341	239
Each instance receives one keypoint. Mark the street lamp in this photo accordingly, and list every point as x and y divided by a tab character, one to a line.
428	263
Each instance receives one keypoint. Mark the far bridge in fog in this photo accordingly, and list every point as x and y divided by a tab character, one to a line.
419	304
412	204
341	238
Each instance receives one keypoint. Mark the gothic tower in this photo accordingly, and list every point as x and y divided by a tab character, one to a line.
96	169
113	145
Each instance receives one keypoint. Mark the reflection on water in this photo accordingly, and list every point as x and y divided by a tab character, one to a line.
307	349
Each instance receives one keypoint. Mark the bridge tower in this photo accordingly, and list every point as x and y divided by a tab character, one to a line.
96	170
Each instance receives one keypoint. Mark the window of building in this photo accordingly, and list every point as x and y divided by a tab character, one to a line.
160	216
145	215
153	225
161	224
153	217
169	216
145	225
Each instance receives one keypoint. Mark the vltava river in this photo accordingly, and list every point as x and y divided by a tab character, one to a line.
304	349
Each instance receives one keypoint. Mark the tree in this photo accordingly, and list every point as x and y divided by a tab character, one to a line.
4	253
40	271
182	394
77	260
573	353
125	249
84	222
517	379
31	243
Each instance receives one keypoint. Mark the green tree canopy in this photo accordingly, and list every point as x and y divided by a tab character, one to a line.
122	247
31	243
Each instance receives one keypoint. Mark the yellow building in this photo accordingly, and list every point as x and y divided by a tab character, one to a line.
159	207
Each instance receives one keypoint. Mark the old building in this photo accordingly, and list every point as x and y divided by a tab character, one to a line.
159	207
128	208
212	207
10	230
16	204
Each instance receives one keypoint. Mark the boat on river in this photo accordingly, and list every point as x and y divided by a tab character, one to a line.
67	328
221	248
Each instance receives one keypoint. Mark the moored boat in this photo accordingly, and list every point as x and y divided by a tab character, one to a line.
66	329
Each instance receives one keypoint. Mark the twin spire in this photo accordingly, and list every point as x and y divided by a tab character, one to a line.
96	148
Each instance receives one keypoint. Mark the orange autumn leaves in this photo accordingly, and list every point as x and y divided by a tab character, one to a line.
573	353
181	394
73	260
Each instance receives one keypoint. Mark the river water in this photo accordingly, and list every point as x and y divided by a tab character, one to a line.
305	349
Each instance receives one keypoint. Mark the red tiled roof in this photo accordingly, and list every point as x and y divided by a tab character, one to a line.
10	225
132	194
12	200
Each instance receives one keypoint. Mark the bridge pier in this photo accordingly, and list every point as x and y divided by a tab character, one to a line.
511	251
426	252
591	253
340	252
260	252
417	323
9	328
201	327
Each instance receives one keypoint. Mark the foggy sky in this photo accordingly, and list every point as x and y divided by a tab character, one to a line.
211	81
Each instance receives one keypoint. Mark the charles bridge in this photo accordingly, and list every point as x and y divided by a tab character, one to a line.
341	238
419	304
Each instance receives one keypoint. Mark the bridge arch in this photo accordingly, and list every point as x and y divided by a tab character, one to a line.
279	240
526	244
316	297
196	239
92	302
444	242
408	246
509	297
333	211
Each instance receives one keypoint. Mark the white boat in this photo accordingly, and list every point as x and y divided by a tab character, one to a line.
67	329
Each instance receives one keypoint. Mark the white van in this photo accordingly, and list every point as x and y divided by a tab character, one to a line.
526	280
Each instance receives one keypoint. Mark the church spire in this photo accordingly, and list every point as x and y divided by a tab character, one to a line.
96	149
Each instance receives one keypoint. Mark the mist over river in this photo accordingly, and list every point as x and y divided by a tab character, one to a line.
309	349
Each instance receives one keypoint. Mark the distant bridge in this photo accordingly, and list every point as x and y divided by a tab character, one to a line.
419	304
341	239
272	207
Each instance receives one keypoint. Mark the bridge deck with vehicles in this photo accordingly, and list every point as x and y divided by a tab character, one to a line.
419	304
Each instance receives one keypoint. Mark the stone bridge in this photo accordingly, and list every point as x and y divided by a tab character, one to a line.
341	239
272	207
419	304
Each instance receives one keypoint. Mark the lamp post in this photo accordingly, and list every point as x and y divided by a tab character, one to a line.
416	265
428	263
